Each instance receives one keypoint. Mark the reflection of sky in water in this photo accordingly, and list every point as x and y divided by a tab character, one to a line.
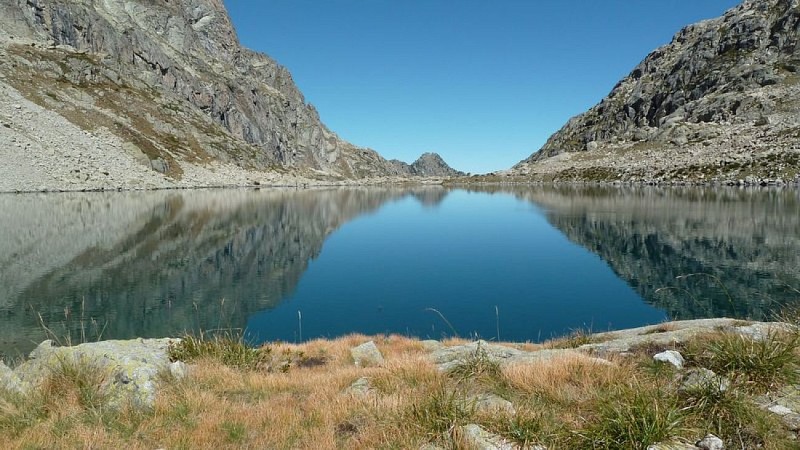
379	273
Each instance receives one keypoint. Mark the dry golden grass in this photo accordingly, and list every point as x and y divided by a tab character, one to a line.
561	403
662	328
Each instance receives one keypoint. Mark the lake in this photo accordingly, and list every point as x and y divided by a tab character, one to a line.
515	263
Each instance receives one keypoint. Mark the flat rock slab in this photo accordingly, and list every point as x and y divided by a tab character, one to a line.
672	446
128	368
784	403
477	438
490	403
447	358
674	333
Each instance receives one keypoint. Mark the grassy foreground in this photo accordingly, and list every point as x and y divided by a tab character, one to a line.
294	396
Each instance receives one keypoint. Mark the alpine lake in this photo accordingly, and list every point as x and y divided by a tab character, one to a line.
501	263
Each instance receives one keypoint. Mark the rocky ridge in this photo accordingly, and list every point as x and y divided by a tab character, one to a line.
129	94
717	104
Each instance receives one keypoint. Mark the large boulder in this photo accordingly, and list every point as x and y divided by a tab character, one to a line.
128	369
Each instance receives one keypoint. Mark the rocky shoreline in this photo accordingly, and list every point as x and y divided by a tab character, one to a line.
132	372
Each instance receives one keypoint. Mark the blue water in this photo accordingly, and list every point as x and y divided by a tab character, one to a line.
473	258
516	264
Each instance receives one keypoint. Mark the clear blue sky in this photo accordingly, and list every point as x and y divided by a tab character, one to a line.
483	83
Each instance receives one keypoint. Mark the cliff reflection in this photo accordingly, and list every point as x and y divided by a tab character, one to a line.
159	263
745	242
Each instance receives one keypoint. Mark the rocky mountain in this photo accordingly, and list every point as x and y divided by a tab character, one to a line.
721	102
156	86
432	165
427	165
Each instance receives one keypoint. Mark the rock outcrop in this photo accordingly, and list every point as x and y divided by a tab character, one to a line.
718	103
167	86
127	371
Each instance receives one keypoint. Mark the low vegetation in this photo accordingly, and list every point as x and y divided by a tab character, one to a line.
296	396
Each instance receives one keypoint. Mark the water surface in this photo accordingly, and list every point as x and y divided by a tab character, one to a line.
521	264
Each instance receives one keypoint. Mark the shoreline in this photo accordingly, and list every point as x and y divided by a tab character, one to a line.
403	182
657	387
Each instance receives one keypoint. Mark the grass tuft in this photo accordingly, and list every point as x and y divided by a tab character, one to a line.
730	415
228	350
758	364
439	412
79	378
526	428
633	417
478	366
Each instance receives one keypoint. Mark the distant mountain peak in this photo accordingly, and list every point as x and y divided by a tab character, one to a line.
431	164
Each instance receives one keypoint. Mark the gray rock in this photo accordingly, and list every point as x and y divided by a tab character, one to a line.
129	368
431	345
9	381
447	358
779	410
677	332
178	370
490	403
477	438
159	165
759	332
367	355
784	403
360	388
670	356
711	442
671	446
701	379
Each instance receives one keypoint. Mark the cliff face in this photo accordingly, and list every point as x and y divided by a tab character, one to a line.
719	102
170	80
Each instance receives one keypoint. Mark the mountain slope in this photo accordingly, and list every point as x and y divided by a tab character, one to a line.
169	82
720	102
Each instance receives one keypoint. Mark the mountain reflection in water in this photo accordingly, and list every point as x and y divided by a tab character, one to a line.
153	264
148	264
692	252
